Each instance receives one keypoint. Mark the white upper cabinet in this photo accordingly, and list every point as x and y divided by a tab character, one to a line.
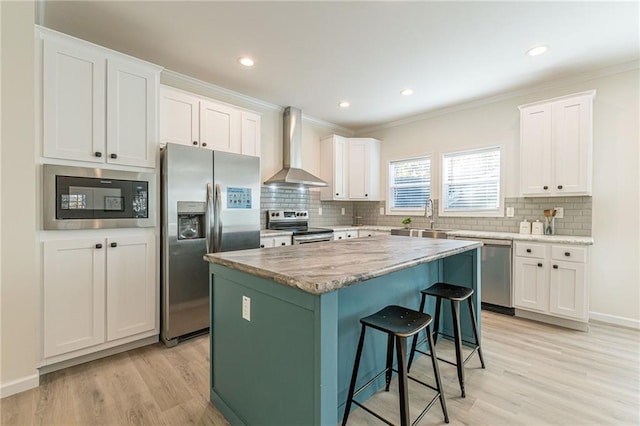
189	119
334	168
351	166
556	146
98	105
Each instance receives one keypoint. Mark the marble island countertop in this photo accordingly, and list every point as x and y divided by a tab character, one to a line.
324	267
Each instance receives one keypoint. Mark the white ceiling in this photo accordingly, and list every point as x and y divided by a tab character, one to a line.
314	54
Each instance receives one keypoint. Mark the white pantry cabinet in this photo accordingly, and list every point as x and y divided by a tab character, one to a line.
188	119
98	290
552	279
99	106
351	166
268	242
556	146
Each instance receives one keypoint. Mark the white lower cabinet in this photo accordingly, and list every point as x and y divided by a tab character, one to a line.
268	242
344	235
98	290
552	279
363	233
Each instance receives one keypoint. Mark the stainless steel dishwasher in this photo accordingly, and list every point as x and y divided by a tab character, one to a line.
497	289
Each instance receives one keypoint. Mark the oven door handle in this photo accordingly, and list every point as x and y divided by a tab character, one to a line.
313	238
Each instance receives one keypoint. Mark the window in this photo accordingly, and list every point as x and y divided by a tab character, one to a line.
471	183
409	184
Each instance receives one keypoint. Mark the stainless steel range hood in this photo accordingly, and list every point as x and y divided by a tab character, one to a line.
292	173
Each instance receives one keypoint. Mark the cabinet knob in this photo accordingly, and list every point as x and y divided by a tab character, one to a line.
366	195
98	246
545	187
528	250
195	142
566	253
555	266
261	245
339	238
559	186
337	193
539	265
204	144
97	154
114	244
114	155
283	244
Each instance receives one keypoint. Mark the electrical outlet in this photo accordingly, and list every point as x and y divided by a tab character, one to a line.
381	211
246	308
319	211
510	212
559	212
343	211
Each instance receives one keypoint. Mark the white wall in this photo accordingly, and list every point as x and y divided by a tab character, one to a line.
18	283
615	272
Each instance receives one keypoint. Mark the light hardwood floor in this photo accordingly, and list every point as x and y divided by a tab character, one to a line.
536	375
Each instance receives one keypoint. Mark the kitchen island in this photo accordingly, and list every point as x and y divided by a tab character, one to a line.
285	321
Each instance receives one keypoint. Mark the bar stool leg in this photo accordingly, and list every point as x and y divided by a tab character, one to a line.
352	386
414	344
401	349
436	320
389	372
455	310
436	372
475	330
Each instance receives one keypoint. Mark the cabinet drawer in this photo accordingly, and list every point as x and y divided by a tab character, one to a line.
531	250
569	253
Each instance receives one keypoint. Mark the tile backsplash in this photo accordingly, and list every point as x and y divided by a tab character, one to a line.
576	221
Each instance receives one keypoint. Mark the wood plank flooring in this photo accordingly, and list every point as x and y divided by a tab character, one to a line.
536	375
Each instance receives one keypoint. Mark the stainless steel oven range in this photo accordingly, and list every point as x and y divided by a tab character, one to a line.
297	221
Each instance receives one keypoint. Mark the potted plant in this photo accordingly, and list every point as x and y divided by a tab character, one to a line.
406	222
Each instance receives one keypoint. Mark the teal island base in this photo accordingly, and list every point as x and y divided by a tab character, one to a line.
283	356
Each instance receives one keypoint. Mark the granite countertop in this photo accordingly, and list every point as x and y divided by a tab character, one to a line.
324	267
556	239
274	233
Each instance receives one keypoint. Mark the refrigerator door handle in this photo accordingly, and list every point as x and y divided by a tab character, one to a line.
209	219
217	220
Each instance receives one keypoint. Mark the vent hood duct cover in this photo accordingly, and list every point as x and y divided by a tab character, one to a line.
292	173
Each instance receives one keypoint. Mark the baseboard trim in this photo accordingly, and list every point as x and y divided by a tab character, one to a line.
614	320
553	320
20	385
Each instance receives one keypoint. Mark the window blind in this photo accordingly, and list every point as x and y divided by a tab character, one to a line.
410	183
471	180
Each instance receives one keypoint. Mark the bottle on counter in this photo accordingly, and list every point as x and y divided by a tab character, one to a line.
525	227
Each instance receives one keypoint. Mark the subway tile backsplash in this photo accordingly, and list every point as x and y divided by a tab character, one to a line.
576	221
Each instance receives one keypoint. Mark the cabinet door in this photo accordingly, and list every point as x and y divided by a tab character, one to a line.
251	125
572	145
73	102
179	118
132	93
535	150
219	127
339	235
282	241
359	179
131	286
73	295
530	284
267	242
567	291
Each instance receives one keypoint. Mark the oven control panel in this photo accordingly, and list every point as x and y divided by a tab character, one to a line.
287	215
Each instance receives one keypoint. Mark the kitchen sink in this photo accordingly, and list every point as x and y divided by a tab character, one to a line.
425	233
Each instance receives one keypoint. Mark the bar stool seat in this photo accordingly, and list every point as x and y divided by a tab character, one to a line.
399	324
455	294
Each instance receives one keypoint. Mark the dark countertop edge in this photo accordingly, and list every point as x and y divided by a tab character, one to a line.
327	287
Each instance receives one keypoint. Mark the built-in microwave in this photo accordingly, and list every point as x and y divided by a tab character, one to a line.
86	198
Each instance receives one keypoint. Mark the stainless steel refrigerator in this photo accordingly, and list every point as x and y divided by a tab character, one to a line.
210	203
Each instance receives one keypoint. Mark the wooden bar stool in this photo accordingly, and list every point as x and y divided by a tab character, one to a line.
399	324
455	294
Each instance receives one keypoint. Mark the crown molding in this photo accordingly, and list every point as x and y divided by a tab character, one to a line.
602	72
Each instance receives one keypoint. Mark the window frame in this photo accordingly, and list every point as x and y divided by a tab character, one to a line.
495	212
404	211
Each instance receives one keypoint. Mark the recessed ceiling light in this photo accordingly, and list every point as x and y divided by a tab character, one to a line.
406	92
538	50
344	104
247	62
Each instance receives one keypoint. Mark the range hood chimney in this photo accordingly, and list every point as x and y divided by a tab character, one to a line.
292	173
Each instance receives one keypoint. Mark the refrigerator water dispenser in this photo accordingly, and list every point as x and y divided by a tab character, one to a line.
191	221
